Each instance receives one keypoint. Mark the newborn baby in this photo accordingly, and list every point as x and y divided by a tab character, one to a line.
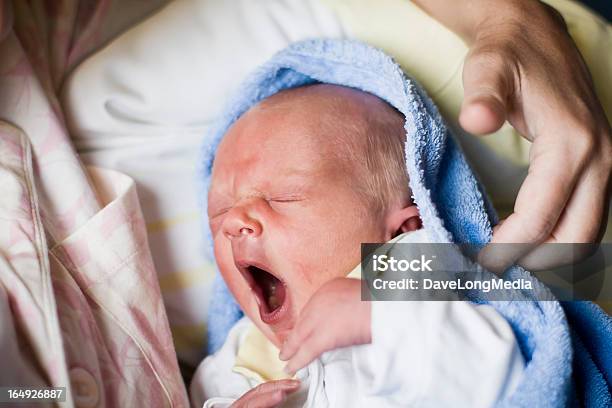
298	183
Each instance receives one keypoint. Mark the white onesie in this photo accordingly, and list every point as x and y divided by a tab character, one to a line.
423	354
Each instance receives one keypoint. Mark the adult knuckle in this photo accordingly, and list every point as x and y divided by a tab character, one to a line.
594	146
489	56
495	58
538	228
583	141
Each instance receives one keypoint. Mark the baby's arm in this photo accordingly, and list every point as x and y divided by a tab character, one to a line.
441	353
337	309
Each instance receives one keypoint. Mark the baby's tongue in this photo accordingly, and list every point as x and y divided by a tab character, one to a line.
274	293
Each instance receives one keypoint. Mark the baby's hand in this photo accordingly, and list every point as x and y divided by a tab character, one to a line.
334	317
267	395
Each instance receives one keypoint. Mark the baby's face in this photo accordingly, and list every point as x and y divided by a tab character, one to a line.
283	214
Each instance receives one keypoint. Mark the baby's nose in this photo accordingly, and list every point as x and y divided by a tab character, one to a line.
238	224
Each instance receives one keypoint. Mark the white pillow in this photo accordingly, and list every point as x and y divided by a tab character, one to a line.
175	69
143	104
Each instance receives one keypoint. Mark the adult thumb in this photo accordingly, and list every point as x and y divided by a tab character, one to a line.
486	87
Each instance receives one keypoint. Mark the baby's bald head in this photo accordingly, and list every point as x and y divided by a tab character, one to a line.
360	131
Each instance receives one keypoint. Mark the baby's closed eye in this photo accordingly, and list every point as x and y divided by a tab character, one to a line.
283	202
217	212
284	199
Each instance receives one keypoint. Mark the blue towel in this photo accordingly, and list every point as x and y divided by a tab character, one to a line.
568	353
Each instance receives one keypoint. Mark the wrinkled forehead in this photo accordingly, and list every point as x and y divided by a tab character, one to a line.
307	124
263	149
274	135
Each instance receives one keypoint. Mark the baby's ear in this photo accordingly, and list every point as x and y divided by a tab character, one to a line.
402	220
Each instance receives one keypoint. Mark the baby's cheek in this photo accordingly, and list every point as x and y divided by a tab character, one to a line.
232	277
344	257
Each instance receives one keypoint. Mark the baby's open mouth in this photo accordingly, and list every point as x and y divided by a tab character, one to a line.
270	292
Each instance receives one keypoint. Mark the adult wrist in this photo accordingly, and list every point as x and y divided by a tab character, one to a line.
474	19
511	17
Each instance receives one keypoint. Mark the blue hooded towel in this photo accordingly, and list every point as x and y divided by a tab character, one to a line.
567	348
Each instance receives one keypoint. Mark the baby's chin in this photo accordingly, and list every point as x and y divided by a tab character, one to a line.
276	336
277	333
279	338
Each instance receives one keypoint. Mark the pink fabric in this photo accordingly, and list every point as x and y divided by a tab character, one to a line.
80	304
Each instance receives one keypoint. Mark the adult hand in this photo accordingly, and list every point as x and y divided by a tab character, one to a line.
334	317
267	395
524	67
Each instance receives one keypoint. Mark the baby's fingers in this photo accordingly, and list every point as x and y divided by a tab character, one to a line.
311	348
267	400
302	330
